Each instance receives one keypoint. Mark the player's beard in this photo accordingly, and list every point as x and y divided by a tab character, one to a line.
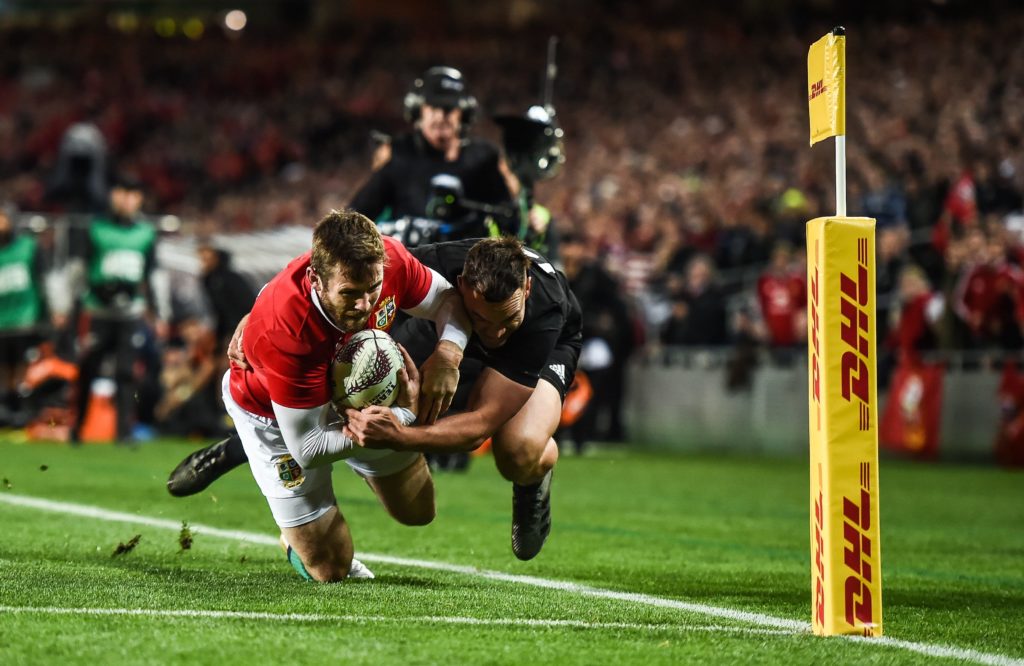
349	321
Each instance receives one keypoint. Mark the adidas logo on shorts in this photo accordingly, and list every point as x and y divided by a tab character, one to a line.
559	370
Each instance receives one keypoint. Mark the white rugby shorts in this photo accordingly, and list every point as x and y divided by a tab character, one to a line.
298	496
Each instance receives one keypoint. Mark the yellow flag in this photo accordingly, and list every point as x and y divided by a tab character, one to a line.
826	85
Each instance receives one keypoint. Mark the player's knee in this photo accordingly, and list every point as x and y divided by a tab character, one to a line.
330	569
416	515
329	574
518	455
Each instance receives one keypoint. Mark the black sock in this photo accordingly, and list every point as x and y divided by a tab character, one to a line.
234	451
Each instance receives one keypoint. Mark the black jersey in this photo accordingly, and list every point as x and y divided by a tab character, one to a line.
553	317
402	186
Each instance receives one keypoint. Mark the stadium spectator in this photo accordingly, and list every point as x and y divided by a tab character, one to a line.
230	295
118	250
679	149
890	257
23	313
698	309
988	295
189	404
782	295
607	341
917	312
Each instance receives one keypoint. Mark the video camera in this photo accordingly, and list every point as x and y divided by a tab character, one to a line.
533	144
450	216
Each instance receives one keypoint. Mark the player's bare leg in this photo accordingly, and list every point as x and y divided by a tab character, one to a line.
525	454
323	546
523	448
408	495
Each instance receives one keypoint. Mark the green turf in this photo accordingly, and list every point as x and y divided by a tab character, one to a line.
724	532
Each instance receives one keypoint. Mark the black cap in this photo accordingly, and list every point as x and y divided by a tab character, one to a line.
444	87
126	181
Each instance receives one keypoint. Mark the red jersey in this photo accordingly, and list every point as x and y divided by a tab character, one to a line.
289	343
990	297
913	333
781	297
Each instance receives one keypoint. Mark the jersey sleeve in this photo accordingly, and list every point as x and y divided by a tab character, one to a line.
415	278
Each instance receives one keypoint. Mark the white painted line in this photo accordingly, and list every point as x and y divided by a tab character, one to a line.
940	651
251	537
375	619
757	619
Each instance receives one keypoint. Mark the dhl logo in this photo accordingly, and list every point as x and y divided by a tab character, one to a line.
857	555
853	330
815	327
817	89
819	560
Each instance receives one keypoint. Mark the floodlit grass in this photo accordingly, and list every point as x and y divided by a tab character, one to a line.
721	532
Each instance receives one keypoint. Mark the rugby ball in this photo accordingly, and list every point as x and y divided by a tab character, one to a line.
365	370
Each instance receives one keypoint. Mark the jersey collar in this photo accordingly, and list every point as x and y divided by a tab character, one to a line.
316	302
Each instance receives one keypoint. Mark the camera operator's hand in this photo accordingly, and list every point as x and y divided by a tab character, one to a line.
440	380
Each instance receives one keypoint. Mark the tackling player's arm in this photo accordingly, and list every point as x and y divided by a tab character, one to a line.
438	302
440	372
494	400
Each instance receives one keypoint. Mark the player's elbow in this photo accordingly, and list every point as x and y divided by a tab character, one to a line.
305	460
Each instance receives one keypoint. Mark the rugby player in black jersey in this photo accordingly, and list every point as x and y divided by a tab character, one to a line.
515	372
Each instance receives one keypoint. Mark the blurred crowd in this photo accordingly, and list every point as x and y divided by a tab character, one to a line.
689	177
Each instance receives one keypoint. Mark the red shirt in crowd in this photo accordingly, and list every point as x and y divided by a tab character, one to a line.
289	342
914	333
782	298
991	297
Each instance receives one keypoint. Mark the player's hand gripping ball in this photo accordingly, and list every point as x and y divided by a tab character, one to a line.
365	371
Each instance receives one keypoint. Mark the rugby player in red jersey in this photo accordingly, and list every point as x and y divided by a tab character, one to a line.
280	399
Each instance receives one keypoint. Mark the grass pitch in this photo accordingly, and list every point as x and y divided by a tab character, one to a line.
659	550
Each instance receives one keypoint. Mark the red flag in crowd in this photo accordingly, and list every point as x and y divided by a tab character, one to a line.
1009	448
910	422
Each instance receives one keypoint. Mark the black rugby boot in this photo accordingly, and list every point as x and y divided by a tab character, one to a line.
196	472
531	517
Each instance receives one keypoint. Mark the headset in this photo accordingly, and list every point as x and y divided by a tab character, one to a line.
443	87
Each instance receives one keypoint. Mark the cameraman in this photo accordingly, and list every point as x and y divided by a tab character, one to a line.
438	152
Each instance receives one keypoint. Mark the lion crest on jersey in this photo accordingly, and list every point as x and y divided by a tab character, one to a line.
385	314
289	471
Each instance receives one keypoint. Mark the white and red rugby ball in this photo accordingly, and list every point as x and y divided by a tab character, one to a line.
365	370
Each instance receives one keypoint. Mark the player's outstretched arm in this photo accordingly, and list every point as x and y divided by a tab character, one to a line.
440	372
494	401
313	440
